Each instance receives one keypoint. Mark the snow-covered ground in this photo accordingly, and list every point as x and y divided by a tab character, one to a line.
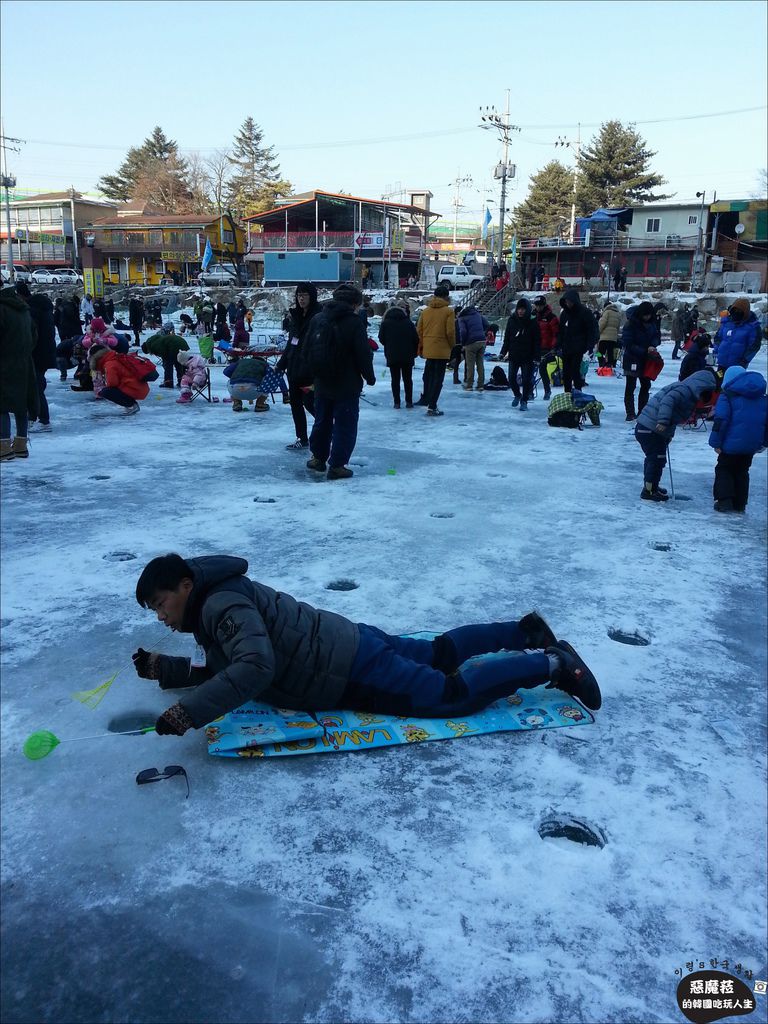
410	883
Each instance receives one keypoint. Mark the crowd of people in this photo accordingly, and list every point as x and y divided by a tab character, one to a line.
328	358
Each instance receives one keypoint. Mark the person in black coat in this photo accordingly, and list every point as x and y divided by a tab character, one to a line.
578	334
639	340
400	339
66	319
136	317
295	323
522	343
337	391
109	311
695	358
44	352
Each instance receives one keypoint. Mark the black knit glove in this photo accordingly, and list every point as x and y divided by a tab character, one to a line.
173	722
145	664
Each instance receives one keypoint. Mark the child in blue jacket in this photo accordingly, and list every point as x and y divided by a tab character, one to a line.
740	429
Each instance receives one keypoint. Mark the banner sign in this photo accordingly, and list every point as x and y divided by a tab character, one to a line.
181	257
369	240
23	235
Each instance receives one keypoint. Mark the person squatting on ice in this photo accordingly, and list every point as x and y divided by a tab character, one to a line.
658	421
739	431
261	644
195	375
122	385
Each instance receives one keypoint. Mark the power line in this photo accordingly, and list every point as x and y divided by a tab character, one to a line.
409	138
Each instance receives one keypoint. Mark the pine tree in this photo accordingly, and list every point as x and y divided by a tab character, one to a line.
547	207
614	170
153	171
255	183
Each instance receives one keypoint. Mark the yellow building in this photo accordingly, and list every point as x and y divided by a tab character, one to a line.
140	246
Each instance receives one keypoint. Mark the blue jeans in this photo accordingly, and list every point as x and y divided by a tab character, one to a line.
400	676
334	432
655	450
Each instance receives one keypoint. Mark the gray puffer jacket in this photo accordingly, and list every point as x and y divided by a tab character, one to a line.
674	404
260	644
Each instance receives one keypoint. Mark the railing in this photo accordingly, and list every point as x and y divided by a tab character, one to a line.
620	241
279	241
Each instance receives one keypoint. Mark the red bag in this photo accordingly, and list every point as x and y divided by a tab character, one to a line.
653	366
140	367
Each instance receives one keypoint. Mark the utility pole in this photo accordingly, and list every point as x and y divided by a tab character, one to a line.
491	118
8	183
466	180
576	143
698	260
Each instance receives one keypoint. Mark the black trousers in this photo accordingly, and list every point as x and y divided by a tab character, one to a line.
301	400
44	415
526	375
434	375
169	365
607	353
406	370
629	394
732	479
571	371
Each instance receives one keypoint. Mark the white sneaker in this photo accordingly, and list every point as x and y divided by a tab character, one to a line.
131	410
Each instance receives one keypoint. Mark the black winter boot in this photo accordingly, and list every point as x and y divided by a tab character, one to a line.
573	676
537	631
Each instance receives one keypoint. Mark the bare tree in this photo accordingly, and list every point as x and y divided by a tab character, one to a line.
200	200
218	169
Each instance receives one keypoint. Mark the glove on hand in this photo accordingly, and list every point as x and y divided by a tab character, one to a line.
173	722
145	664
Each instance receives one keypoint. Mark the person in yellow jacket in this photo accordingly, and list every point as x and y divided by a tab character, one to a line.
610	321
437	336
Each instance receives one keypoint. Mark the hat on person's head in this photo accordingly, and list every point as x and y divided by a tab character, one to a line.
349	294
645	309
742	306
98	325
732	373
168	328
183	357
539	301
523	304
22	289
145	348
95	355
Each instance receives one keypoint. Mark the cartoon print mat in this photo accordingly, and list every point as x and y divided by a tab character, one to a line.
258	730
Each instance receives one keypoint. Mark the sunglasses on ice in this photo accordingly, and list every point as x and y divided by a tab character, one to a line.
148	775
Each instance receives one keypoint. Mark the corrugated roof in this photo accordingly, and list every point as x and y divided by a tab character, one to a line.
309	197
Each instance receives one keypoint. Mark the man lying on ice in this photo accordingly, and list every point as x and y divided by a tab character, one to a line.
264	645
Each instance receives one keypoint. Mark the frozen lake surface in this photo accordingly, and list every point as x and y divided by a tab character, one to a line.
408	883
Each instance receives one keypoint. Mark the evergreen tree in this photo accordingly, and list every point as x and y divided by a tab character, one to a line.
153	171
255	183
614	170
547	207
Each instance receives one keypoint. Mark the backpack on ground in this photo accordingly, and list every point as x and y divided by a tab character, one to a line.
498	381
142	368
323	349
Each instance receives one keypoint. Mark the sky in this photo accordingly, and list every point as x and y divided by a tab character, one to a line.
380	97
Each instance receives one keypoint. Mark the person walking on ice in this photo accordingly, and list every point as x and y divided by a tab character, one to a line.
261	644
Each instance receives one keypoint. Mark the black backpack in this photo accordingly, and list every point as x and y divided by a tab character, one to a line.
322	350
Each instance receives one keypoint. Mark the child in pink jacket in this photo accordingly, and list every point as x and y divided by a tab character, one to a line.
195	372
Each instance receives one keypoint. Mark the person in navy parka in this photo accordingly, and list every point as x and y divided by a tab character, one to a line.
737	341
740	429
639	340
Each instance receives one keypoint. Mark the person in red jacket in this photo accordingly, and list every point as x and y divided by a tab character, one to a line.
549	325
124	386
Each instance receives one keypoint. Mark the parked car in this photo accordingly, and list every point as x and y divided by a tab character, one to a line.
458	277
218	274
46	276
481	256
69	276
21	273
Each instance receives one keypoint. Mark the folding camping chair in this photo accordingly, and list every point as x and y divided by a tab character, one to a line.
701	415
202	390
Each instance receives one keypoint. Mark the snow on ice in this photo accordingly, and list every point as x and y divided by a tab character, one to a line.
409	883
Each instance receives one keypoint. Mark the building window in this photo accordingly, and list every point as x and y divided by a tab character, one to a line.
114	265
159	267
653	225
636	266
229	237
22	216
693	218
46	215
